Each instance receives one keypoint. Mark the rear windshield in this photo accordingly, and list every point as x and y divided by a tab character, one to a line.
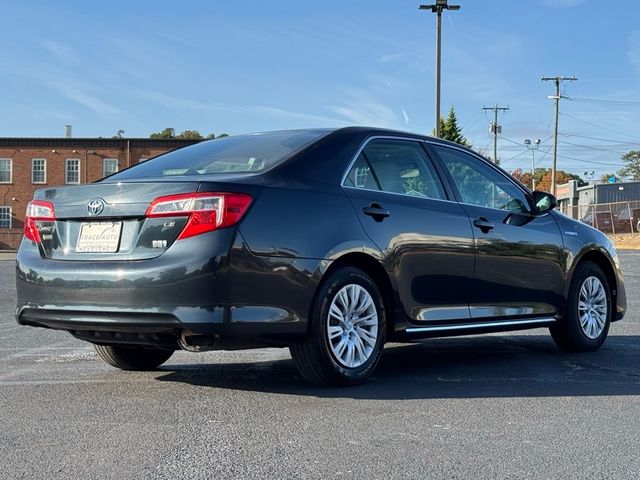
254	153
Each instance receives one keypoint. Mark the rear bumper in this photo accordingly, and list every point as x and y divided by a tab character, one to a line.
193	287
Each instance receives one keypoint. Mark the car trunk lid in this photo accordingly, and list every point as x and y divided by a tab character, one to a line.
107	221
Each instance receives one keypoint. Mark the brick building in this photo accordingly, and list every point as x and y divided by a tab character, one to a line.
27	164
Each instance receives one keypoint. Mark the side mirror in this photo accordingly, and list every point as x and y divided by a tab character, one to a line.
544	201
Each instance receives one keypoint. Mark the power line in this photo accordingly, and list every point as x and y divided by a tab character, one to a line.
605	101
590	147
599	138
592	161
599	126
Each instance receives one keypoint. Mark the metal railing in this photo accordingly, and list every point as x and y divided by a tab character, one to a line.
614	218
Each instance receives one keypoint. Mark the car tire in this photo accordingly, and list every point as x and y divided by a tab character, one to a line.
588	315
340	324
133	357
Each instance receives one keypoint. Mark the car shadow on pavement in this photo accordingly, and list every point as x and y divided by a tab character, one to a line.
472	367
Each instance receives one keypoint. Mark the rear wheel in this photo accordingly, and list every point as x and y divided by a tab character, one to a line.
133	357
346	331
586	325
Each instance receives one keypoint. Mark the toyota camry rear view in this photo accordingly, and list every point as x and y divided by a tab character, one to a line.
329	242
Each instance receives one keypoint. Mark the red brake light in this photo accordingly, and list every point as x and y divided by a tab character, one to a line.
206	211
37	210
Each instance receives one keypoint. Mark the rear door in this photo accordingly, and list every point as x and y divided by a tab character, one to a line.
519	255
426	238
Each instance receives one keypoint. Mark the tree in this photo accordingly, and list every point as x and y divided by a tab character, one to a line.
542	177
632	168
190	135
166	133
450	130
211	136
185	134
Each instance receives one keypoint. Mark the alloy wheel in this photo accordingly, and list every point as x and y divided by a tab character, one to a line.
352	326
592	307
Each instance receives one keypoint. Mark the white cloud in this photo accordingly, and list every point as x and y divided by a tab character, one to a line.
361	109
60	52
406	117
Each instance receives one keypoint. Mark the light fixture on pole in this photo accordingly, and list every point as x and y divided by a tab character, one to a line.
533	147
439	6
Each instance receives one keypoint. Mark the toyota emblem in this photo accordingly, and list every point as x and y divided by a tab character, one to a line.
95	206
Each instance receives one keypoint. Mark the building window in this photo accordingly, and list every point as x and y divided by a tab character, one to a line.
38	170
109	166
5	170
72	170
5	217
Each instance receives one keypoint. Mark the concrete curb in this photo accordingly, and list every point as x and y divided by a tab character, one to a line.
7	256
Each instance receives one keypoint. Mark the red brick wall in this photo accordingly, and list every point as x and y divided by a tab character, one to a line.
18	193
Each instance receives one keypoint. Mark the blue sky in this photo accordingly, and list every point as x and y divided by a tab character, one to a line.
246	66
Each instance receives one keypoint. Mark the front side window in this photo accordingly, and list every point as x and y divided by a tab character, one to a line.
109	166
396	166
72	170
38	170
481	185
5	170
5	217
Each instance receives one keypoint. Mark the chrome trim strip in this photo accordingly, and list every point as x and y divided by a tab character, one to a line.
471	326
404	195
449	313
513	310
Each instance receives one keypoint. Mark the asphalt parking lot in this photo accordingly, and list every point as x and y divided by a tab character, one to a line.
498	406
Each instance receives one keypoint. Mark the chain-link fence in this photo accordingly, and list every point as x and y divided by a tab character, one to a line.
620	217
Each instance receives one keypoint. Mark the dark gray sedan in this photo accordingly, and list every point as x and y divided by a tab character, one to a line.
330	242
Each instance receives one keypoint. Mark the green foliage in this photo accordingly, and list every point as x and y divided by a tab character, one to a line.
190	135
166	133
185	134
450	130
632	168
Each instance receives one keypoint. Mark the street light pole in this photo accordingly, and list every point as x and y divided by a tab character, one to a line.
533	148
439	6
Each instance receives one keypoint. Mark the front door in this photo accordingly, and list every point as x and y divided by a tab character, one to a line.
519	254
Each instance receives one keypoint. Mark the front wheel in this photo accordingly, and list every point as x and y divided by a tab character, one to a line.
347	329
133	357
586	325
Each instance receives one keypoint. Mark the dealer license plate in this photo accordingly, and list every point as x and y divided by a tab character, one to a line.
100	237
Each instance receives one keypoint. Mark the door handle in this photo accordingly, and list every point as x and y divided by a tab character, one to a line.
483	224
376	212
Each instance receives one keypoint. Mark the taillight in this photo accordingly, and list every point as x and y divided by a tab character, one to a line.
206	211
37	210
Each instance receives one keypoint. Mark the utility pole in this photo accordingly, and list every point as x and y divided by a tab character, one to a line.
439	6
495	128
556	98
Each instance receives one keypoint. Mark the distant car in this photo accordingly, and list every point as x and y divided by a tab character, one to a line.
627	220
603	221
330	242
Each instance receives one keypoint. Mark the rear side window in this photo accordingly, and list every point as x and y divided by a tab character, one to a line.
255	153
396	166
